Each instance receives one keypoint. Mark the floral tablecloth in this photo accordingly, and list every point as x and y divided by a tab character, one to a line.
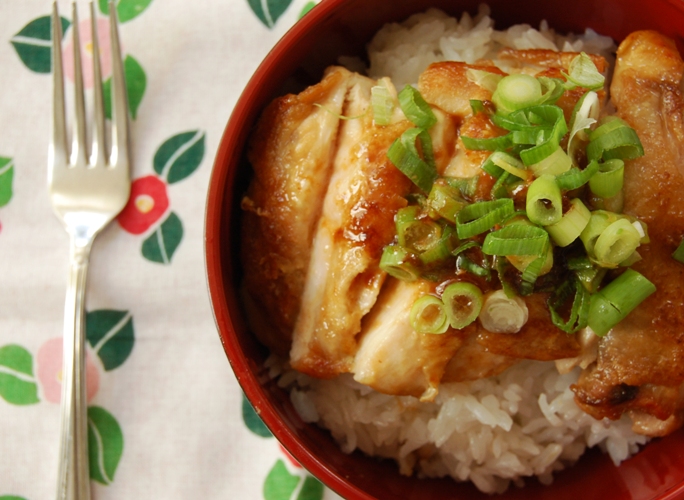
167	418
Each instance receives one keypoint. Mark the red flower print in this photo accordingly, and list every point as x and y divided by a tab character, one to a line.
49	371
147	203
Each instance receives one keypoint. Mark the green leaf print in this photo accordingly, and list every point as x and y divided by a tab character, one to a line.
280	484
34	44
105	444
11	497
268	11
307	7
6	178
125	9
111	335
17	384
252	420
312	489
163	242
179	156
136	83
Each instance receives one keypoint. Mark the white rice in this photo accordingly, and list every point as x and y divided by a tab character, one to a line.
495	431
403	51
492	432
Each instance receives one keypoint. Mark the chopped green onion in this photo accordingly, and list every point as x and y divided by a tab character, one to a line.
516	239
510	164
553	89
591	278
579	312
582	72
546	115
445	201
678	254
503	314
616	243
599	221
403	153
463	263
556	163
440	250
382	102
484	79
487	143
576	178
463	302
398	261
584	115
413	232
608	181
477	106
614	139
482	216
571	225
428	315
544	202
415	108
499	189
615	301
516	92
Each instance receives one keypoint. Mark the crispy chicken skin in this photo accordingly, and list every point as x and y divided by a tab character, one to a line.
292	153
640	366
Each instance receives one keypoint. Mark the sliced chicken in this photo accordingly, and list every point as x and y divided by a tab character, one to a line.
292	153
357	221
395	359
639	367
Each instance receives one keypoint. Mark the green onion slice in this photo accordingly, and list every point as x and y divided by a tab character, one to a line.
398	261
579	311
509	164
382	102
503	314
582	72
403	153
576	178
415	108
428	315
477	106
616	243
439	250
678	254
445	201
584	115
487	143
609	179
482	216
544	203
517	239
414	232
614	139
556	163
598	222
614	302
571	225
516	92
463	302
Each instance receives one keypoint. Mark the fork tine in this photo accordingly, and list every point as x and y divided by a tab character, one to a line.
58	145
78	150
97	155
120	127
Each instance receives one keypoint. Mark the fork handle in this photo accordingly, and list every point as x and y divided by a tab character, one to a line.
74	470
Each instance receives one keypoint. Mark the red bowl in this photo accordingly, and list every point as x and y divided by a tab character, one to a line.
343	27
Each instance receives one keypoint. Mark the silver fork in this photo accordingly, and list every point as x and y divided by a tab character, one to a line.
87	190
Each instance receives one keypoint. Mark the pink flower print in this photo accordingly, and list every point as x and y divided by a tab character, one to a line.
147	203
49	371
86	37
